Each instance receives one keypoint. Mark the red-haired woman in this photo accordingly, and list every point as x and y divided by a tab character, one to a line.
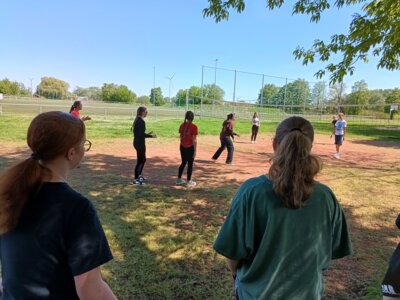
51	241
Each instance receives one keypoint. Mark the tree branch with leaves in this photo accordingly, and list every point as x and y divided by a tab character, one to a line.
373	32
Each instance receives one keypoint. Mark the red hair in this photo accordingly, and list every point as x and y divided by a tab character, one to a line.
50	135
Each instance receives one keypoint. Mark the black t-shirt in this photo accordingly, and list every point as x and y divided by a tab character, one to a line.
139	132
58	236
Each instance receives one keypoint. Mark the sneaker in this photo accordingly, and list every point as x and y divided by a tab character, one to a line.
337	155
139	181
143	179
190	183
180	181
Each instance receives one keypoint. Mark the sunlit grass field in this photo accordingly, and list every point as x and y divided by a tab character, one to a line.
162	237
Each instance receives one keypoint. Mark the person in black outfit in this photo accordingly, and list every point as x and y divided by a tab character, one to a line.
51	241
139	143
226	137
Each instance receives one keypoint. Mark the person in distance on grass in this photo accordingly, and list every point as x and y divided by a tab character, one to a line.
391	282
284	228
51	241
226	137
75	108
334	120
339	130
188	133
255	126
139	143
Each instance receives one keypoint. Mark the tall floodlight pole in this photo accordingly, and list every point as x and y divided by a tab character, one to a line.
215	84
31	79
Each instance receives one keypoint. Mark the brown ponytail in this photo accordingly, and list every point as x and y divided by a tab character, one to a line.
50	135
293	166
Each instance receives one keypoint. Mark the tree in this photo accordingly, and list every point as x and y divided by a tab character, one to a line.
93	93
117	93
52	88
337	94
8	87
156	97
268	92
212	93
359	86
393	97
318	93
374	32
357	98
295	94
143	100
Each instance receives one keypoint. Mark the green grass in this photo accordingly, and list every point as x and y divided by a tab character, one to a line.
162	237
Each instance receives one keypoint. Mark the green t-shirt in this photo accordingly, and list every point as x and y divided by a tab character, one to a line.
282	252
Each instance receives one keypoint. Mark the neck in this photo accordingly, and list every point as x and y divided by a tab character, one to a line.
59	169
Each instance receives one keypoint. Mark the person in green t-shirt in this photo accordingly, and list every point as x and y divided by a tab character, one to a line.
283	229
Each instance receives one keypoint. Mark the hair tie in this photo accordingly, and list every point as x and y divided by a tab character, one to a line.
296	129
34	156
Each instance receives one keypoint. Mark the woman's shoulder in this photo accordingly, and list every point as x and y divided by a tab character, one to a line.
62	193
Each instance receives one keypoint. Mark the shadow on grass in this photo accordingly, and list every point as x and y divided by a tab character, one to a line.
162	235
386	143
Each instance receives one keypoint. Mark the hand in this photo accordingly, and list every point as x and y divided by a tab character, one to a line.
343	138
238	135
87	118
153	135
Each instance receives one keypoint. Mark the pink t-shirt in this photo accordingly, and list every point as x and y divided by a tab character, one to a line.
76	113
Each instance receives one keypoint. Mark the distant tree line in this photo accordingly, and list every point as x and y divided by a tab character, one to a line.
296	94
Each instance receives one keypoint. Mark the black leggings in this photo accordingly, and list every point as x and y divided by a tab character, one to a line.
254	131
141	159
187	157
226	142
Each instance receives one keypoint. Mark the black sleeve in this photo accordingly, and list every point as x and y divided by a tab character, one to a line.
86	243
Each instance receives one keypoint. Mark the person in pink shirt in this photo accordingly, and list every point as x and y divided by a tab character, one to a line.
75	108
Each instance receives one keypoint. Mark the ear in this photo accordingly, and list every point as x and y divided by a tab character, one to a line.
71	154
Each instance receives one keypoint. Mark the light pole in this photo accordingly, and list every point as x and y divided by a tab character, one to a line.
31	79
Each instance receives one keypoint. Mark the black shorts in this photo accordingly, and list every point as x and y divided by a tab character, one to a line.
391	282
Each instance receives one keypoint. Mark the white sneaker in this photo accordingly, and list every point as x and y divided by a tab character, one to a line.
180	181
138	181
190	183
337	155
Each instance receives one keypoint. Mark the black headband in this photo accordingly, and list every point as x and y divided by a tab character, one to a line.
296	129
34	156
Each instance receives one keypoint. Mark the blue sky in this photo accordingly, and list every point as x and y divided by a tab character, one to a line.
88	43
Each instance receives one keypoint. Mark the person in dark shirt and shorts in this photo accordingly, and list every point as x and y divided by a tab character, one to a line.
139	143
51	241
226	137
